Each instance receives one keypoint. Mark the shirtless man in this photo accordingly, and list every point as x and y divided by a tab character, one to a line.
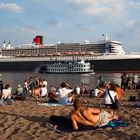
90	116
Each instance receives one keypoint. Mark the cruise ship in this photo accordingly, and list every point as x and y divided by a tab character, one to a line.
105	55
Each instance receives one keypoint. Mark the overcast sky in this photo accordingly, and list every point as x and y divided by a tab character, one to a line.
70	21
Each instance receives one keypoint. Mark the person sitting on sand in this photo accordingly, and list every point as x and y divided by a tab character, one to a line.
35	92
109	92
90	116
119	91
97	91
19	90
43	91
44	82
6	92
26	87
21	93
31	84
83	88
53	98
77	89
64	93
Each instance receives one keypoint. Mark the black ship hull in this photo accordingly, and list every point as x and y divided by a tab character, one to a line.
119	65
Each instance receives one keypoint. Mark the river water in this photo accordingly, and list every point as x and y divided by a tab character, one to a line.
15	78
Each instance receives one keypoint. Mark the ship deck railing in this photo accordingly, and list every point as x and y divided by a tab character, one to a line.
71	58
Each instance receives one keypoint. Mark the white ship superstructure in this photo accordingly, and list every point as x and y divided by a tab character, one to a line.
67	67
85	48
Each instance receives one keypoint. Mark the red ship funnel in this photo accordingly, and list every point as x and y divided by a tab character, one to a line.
38	40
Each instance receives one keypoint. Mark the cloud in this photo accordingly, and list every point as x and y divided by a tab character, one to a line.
55	22
133	27
11	6
101	8
134	4
131	23
33	31
3	30
85	27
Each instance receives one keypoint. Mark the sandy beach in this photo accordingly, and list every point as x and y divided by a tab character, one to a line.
26	120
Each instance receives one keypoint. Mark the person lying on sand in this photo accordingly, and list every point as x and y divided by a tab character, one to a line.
90	116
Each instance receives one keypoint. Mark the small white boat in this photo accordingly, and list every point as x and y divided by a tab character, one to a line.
78	66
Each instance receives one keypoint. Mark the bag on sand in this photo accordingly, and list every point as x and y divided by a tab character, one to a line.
115	105
132	98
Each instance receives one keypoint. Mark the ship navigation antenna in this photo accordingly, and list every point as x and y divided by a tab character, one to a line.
105	35
9	45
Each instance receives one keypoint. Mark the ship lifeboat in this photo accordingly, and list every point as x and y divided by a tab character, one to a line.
82	53
57	54
89	53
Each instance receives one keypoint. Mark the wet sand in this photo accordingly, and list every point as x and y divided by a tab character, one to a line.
26	120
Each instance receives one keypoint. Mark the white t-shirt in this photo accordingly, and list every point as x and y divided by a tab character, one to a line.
26	85
63	95
107	98
43	91
19	90
77	90
6	93
96	91
135	78
45	83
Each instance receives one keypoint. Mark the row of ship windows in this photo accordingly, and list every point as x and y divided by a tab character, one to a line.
43	53
65	70
68	66
50	51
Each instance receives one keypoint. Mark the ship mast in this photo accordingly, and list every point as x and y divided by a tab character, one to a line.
105	35
9	45
4	45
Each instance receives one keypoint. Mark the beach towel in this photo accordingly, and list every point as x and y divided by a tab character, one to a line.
1	102
7	102
50	104
53	104
59	124
62	124
116	123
